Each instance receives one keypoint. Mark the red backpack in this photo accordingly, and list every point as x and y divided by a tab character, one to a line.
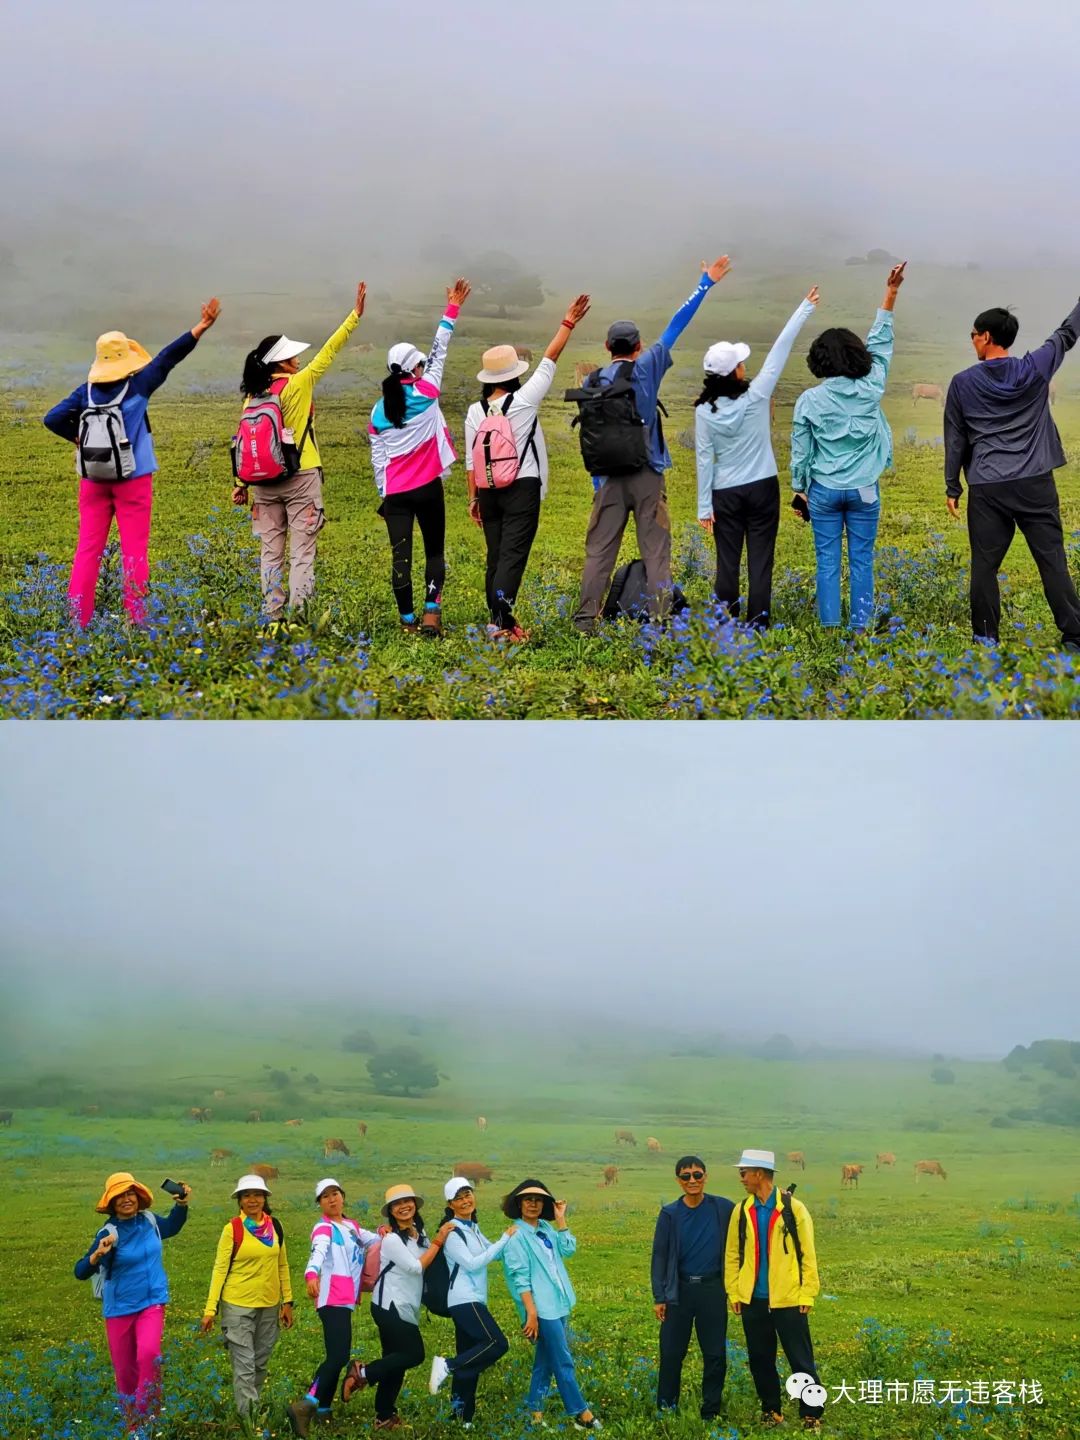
263	447
495	458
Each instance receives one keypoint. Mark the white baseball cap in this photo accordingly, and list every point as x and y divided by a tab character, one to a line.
405	356
723	357
285	349
251	1182
328	1184
456	1184
757	1160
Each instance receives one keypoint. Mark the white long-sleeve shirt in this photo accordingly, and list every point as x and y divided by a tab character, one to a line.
522	412
402	1282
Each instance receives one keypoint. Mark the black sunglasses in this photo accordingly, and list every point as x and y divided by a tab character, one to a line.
692	1175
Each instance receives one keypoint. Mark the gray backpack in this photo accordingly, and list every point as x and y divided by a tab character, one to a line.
105	451
104	1269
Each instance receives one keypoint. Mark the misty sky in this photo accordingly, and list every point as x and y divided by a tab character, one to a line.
322	139
908	884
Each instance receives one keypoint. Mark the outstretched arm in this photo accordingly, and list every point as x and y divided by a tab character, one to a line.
802	449
710	275
151	376
575	312
764	382
1048	358
302	384
957	448
456	295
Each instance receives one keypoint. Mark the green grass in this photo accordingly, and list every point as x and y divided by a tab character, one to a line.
974	1278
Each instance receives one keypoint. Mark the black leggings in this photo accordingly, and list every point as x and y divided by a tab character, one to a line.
510	517
427	507
337	1340
402	1349
480	1343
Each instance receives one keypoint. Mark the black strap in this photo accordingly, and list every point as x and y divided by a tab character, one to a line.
304	437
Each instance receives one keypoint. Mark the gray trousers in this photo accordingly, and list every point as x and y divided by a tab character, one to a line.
250	1335
292	508
642	495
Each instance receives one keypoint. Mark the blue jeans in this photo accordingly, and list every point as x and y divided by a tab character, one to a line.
830	511
553	1359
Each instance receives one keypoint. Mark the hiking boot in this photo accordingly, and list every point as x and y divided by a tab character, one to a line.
431	625
354	1380
410	627
771	1417
811	1422
592	1423
300	1415
439	1371
394	1422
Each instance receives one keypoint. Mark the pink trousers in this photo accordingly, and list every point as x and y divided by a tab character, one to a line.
135	1351
99	500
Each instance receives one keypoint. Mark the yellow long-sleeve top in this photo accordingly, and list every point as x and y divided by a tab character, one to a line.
258	1276
296	398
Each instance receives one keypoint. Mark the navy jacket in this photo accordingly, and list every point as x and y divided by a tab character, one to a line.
665	1250
997	415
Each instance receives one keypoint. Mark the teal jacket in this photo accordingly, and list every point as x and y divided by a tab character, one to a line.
839	437
531	1265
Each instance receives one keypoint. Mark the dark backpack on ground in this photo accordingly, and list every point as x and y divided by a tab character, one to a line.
438	1277
612	433
628	596
791	1231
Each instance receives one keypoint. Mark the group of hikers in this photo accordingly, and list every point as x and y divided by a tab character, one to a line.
999	433
758	1256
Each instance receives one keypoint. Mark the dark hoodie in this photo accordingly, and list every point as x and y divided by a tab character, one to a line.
997	415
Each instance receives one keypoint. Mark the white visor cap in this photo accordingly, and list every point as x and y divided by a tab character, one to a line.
405	356
723	357
285	349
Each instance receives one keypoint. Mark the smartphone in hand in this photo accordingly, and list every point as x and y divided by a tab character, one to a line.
171	1187
801	507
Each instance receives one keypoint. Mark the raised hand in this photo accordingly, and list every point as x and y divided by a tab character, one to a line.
577	309
896	276
812	295
459	292
718	269
210	312
361	298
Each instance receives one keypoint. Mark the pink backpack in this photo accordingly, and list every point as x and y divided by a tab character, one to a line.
263	448
495	458
372	1272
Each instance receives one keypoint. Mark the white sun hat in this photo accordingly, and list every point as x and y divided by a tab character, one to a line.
757	1160
285	349
251	1182
501	363
405	356
328	1184
723	357
456	1184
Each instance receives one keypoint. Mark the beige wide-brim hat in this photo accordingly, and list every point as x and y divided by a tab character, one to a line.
501	363
400	1192
116	1185
116	357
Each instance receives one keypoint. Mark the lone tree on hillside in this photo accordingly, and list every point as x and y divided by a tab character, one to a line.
401	1070
942	1075
503	283
359	1042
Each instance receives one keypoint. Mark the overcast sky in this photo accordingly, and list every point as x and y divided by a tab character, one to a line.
321	139
907	884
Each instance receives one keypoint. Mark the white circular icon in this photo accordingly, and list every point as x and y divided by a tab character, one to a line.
814	1395
797	1382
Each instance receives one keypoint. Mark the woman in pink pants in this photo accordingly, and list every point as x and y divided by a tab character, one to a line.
125	1260
106	418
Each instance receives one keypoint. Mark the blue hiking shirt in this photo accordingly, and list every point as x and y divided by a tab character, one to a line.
533	1261
134	1275
763	1214
649	370
63	419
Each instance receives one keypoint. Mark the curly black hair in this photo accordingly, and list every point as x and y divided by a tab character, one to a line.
839	352
721	387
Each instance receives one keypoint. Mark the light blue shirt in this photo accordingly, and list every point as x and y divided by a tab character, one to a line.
734	440
839	436
533	1260
468	1254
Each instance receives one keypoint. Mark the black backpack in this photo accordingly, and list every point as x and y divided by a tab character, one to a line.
438	1277
629	594
612	433
791	1231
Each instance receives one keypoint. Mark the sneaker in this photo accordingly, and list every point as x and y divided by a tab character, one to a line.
395	1422
771	1417
431	625
410	627
300	1414
439	1371
354	1380
811	1422
592	1423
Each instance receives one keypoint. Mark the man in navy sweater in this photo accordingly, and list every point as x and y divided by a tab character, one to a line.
688	1286
999	431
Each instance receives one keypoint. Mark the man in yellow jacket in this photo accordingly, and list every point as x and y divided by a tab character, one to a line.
771	1277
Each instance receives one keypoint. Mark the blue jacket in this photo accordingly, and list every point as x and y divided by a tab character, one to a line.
468	1254
135	1277
839	435
665	1251
63	419
531	1265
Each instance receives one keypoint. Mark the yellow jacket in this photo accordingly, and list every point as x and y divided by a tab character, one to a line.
257	1278
297	396
785	1286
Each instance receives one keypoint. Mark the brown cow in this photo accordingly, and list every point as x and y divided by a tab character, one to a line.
927	392
200	1114
219	1094
611	1175
294	1123
796	1157
481	1123
361	1128
218	1157
582	369
654	1145
524	353
473	1170
90	1110
625	1137
364	348
334	1147
265	1172
849	1175
929	1167
254	1116
6	1117
885	1157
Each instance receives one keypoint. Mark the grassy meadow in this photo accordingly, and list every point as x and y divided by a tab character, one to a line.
205	653
974	1279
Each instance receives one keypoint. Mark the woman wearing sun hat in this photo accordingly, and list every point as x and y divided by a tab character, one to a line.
405	1253
123	375
479	1340
291	507
534	1261
411	451
250	1281
332	1277
509	513
738	485
126	1255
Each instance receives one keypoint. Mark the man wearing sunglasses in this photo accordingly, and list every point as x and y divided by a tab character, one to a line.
688	1286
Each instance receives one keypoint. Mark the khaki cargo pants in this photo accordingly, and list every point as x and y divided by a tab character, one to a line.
292	508
642	495
250	1334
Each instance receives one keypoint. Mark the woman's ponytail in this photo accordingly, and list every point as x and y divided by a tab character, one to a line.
393	394
257	374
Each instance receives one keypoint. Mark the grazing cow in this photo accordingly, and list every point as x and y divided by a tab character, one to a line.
6	1117
364	348
265	1172
200	1114
254	1116
218	1157
90	1110
611	1175
481	1123
334	1147
582	369
928	392
796	1157
474	1170
654	1145
361	1128
524	353
625	1137
928	1167
219	1094
849	1175
294	1123
886	1157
